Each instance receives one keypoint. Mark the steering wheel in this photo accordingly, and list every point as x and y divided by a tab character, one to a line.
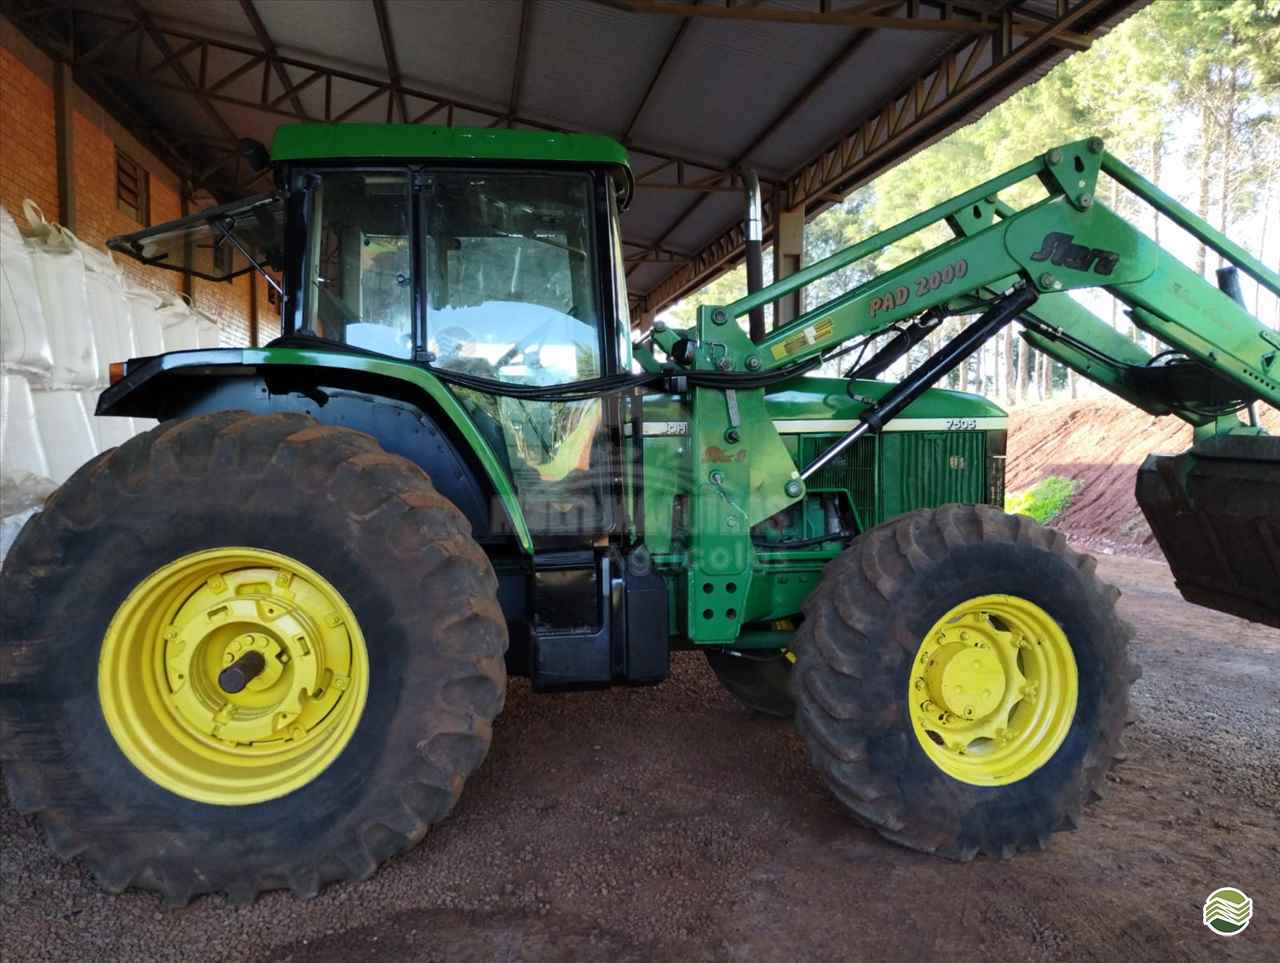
525	344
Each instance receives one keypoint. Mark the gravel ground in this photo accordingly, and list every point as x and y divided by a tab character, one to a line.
665	823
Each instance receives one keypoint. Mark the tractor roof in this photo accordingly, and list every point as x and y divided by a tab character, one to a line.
323	141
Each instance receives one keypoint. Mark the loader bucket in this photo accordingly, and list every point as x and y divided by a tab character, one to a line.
1215	511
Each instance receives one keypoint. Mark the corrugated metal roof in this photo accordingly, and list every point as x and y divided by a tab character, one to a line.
692	97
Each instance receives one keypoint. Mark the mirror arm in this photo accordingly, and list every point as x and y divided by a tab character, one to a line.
229	234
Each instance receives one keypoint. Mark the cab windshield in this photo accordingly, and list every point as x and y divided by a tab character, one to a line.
508	261
511	287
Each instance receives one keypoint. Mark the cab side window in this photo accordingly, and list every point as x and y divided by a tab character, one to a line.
360	284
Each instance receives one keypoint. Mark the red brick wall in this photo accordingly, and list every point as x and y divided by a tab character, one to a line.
28	165
268	315
228	304
29	168
97	215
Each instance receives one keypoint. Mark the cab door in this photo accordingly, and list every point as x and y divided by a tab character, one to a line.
515	297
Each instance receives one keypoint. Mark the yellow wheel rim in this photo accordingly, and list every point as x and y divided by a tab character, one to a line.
993	690
233	676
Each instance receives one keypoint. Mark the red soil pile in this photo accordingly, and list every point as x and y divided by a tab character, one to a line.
1101	445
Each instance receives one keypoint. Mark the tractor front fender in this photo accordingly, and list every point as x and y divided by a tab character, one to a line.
402	404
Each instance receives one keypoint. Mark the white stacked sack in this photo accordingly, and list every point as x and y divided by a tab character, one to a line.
186	329
25	476
58	259
66	313
26	356
75	325
144	313
24	337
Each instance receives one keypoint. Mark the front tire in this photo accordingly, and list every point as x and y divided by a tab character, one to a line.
760	681
963	681
164	561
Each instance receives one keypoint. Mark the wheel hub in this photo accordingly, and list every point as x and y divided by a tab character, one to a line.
967	680
992	690
233	675
241	672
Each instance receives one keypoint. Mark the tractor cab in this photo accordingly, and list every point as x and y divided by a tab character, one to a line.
491	256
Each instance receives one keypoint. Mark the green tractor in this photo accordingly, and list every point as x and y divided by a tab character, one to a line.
263	644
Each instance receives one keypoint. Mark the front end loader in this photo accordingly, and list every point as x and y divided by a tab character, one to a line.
263	644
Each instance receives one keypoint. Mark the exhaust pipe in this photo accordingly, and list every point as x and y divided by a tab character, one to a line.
755	251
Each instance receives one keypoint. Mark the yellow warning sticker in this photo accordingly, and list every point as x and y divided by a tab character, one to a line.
802	339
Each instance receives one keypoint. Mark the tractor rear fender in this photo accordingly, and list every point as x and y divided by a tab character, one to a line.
410	411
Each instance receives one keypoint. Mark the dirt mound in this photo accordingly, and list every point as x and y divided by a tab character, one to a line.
1101	445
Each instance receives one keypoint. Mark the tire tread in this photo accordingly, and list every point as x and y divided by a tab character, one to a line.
355	476
837	645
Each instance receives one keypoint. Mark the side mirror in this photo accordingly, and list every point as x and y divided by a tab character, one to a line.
255	153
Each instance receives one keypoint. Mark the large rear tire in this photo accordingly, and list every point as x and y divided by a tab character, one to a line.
159	565
963	681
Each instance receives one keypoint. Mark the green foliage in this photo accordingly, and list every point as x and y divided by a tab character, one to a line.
1043	501
725	289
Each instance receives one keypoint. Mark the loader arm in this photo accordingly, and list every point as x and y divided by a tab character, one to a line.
1068	241
1003	263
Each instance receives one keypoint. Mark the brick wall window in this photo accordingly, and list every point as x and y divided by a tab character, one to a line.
133	195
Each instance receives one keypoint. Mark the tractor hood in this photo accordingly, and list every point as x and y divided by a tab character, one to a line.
825	405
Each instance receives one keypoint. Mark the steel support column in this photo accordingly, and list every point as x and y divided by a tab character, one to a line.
63	132
788	257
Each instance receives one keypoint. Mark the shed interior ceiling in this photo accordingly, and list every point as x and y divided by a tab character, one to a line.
817	108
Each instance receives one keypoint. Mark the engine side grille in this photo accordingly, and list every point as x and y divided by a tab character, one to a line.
853	470
925	469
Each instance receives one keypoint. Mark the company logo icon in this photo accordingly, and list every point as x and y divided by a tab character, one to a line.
1062	250
1227	911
